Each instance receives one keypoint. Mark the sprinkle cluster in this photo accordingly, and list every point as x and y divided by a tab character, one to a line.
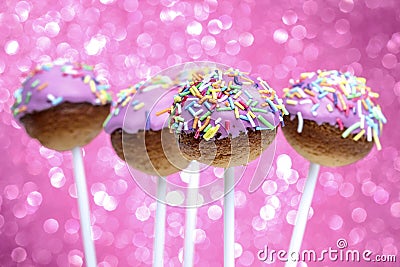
222	91
32	85
333	90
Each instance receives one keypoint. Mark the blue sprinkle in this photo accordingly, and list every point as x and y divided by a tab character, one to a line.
243	117
57	101
134	103
231	103
190	105
103	87
335	99
322	95
192	112
315	107
248	94
147	120
236	80
208	106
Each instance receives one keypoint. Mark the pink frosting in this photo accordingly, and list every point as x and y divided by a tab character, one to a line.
52	84
125	116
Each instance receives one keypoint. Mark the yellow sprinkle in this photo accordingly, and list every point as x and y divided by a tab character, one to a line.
373	94
196	120
343	88
139	106
251	114
229	84
247	79
126	101
239	105
195	90
305	75
237	95
364	104
376	140
309	92
211	132
87	79
329	107
361	80
358	136
192	91
206	122
92	86
236	113
329	89
291	102
342	101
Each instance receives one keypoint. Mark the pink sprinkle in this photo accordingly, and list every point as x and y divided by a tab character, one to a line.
339	121
197	134
243	104
227	125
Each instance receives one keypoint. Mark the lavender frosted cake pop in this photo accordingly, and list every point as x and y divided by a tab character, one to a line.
225	118
334	117
62	105
138	135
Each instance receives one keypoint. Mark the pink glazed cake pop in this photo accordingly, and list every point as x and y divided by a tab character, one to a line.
62	105
225	118
333	119
138	135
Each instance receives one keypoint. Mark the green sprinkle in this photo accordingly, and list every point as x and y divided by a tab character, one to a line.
184	93
207	128
224	109
254	103
259	110
249	102
87	67
237	87
28	97
265	122
116	111
208	113
350	129
35	83
107	119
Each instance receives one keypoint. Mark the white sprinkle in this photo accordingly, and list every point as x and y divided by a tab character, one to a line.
314	113
222	99
362	121
199	124
204	86
180	126
251	120
301	92
178	106
51	97
198	112
300	124
217	121
305	101
185	126
369	134
196	105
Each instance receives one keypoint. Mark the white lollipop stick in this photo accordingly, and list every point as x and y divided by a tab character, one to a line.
302	214
159	228
83	204
229	217
191	212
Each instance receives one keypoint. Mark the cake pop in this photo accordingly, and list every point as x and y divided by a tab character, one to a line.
63	106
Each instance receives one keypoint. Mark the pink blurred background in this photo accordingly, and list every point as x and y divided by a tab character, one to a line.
128	40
